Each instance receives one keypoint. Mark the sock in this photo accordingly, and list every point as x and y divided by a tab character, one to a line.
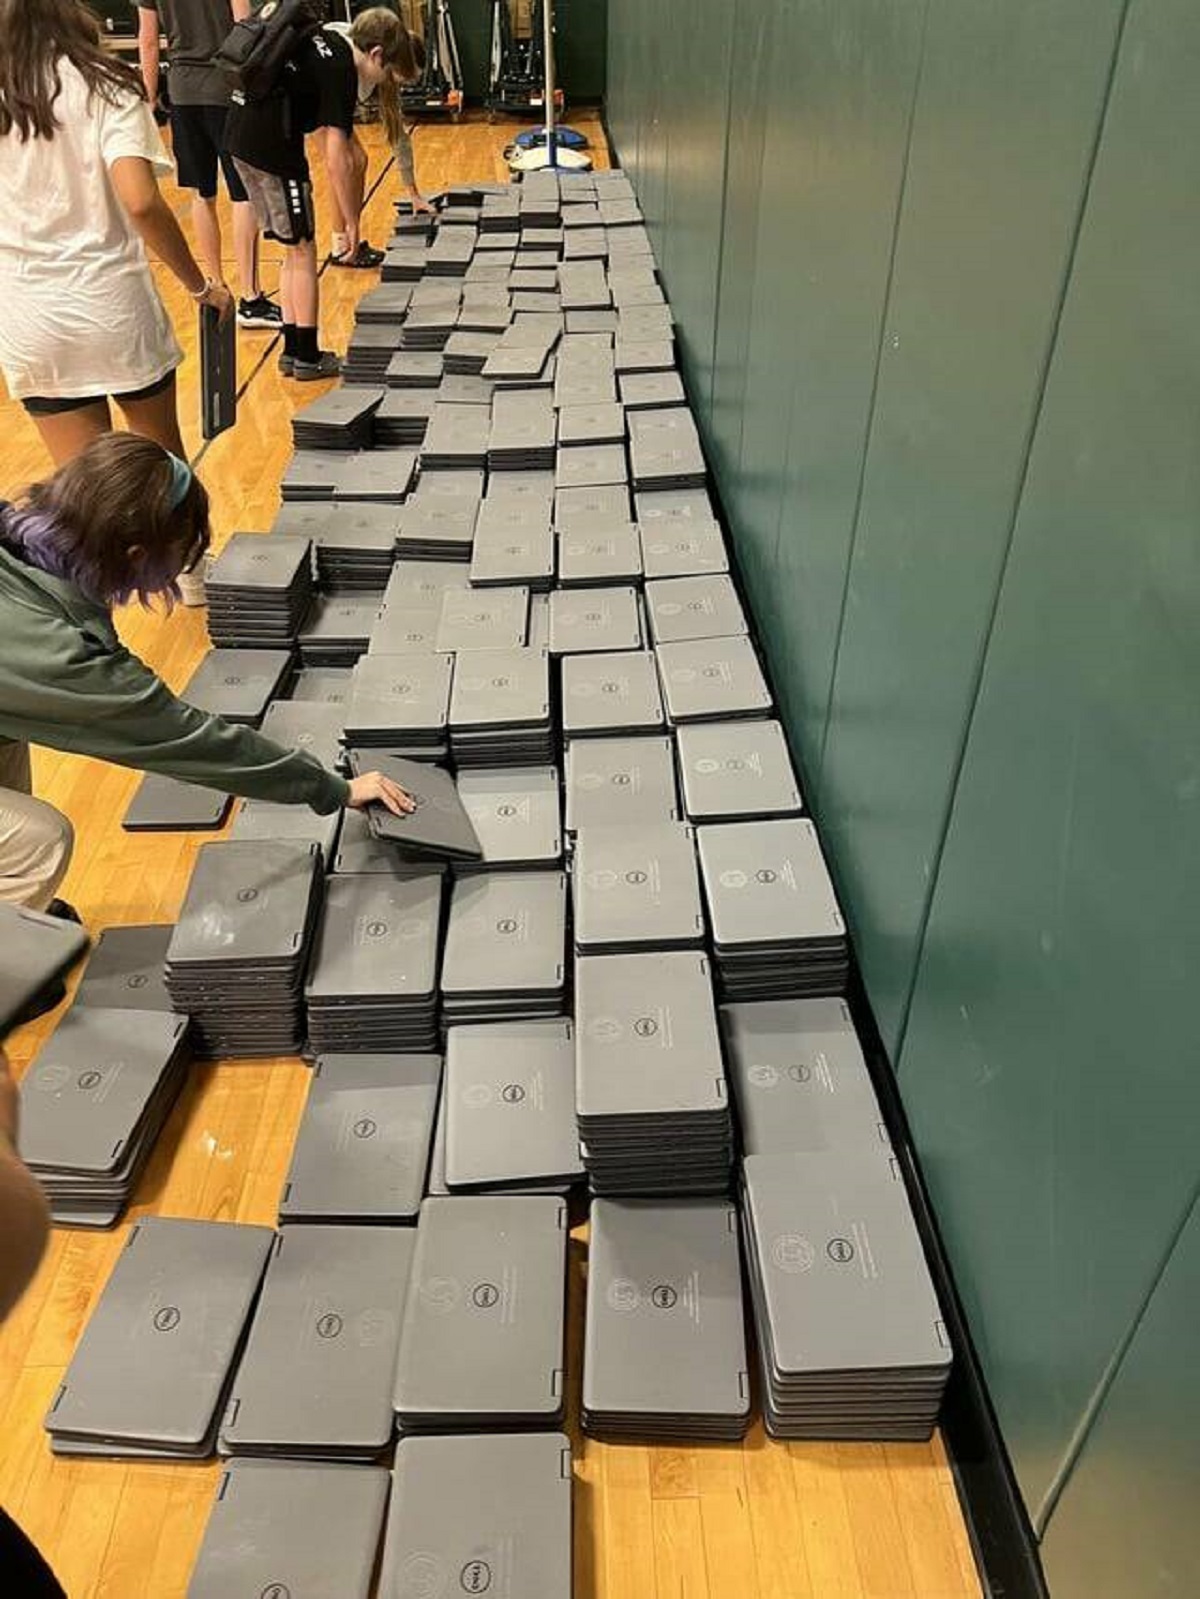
306	347
289	339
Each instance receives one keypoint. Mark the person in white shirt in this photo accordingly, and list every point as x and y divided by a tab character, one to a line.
80	319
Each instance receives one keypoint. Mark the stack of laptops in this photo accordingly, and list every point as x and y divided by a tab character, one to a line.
601	422
238	684
438	828
600	556
515	812
314	726
467	351
283	1527
664	449
483	619
612	782
400	703
380	477
645	391
386	303
665	1340
316	1378
310	476
338	629
438	523
258	590
505	955
851	1339
777	929
636	887
514	544
405	629
500	711
583	510
736	772
355	548
429	324
712	680
341	419
799	1078
372	984
415	369
456	438
93	1104
403	416
321	685
616	694
585	466
362	1149
694	608
523	432
237	958
482	1343
491	1510
652	1102
149	1376
510	1108
368	353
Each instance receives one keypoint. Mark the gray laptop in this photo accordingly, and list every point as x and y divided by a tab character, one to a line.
646	1036
439	826
511	1104
682	548
237	684
90	1084
600	556
406	691
483	619
732	771
153	1360
611	781
767	881
506	933
799	1077
482	1343
245	902
378	937
480	1515
712	679
610	693
635	887
125	969
306	725
516	814
694	608
362	1150
291	1529
38	949
507	687
165	805
665	1333
316	1377
587	620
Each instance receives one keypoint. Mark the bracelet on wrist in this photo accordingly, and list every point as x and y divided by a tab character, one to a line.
200	294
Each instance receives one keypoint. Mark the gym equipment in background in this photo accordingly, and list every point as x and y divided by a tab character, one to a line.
440	86
548	148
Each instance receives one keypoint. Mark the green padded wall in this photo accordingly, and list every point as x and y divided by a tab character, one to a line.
935	266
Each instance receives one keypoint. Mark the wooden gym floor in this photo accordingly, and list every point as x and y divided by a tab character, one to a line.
764	1521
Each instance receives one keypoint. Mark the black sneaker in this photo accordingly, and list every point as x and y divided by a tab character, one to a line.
362	259
260	312
327	365
64	911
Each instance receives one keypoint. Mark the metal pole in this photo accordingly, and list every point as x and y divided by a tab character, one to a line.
548	46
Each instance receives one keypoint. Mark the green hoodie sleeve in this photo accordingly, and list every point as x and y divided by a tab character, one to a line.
108	704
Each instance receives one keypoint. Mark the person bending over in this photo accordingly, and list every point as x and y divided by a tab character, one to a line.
195	30
320	87
80	319
118	523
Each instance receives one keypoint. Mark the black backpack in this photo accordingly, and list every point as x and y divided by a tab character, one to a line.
257	50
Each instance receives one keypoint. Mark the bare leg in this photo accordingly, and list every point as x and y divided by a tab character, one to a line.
208	236
70	432
156	418
245	248
303	290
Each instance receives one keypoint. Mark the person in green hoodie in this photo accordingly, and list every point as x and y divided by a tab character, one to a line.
120	522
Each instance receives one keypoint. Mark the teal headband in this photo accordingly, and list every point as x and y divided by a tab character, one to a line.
181	480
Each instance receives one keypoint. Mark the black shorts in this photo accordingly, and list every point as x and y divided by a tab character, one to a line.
198	137
283	206
37	406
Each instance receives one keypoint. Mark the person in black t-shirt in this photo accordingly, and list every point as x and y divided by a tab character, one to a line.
321	87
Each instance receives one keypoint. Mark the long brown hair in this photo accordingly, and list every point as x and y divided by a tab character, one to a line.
37	35
402	53
113	521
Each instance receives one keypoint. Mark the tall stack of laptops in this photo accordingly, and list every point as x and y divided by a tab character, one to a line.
342	418
500	709
400	703
636	887
777	929
258	591
93	1104
505	950
372	983
355	547
237	958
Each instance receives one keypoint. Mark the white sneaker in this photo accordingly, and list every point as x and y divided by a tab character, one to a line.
191	587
